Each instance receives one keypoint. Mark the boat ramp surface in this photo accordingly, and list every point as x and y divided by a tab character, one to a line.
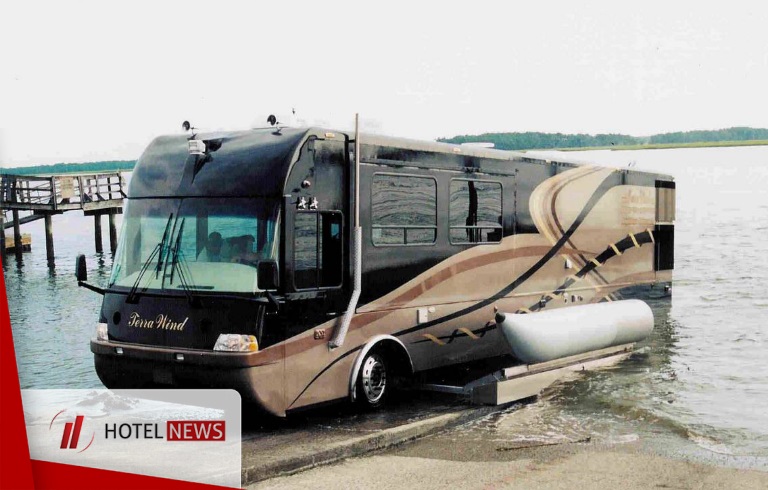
272	447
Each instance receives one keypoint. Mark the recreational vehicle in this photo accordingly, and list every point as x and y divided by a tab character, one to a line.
302	266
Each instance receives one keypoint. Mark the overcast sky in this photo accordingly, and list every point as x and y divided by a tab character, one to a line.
96	81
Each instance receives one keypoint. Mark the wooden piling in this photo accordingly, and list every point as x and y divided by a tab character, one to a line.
2	235
17	235
97	231
112	232
49	237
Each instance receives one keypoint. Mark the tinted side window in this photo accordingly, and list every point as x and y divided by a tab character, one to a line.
317	250
305	250
475	211
404	210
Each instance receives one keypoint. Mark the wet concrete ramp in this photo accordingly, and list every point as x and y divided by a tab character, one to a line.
273	447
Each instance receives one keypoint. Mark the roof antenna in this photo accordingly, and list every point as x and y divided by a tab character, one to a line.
195	147
272	120
186	127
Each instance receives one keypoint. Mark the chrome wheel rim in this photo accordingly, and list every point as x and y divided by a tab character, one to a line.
374	379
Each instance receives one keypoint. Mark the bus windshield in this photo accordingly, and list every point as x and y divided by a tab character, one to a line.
202	244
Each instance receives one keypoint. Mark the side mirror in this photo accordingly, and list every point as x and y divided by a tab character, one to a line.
267	275
81	271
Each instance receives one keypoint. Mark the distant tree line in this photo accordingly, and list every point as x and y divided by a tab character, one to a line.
730	134
534	140
63	168
501	141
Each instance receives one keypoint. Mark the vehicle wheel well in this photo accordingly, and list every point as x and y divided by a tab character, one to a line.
396	355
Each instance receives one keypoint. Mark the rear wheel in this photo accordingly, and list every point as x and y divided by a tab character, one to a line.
373	384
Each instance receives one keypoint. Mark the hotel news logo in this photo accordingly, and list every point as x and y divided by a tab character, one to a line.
70	438
196	430
175	431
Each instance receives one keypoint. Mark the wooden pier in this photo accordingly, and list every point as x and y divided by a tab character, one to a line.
94	194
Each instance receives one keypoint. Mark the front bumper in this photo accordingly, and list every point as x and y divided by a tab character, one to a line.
257	376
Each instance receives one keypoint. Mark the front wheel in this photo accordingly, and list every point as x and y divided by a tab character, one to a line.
373	387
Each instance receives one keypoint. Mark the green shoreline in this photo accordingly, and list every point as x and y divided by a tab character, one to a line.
660	146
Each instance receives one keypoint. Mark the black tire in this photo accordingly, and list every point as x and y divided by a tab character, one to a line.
374	381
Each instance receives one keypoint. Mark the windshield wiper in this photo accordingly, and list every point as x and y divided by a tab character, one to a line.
159	266
178	254
175	252
132	295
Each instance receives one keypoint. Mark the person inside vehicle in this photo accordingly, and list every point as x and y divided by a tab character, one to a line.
212	250
242	250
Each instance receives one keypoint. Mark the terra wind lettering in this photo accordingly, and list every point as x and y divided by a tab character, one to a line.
162	322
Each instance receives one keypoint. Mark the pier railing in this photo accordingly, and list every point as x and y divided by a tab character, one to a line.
44	196
56	193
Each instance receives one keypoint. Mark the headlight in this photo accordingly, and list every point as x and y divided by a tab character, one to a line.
234	342
101	332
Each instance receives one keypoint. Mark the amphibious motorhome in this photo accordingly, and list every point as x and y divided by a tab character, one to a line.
301	266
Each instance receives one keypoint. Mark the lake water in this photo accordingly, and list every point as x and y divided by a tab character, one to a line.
700	388
704	378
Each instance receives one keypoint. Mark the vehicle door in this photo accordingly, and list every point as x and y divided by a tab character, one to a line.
316	257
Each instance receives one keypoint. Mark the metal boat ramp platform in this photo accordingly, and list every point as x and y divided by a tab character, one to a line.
518	382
